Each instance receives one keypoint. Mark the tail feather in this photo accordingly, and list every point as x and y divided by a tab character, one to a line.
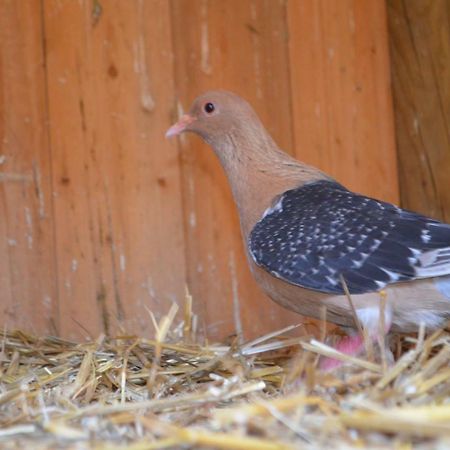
434	263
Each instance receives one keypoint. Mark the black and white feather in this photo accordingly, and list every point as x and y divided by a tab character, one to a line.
316	233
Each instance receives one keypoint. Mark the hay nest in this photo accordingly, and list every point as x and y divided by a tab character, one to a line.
174	392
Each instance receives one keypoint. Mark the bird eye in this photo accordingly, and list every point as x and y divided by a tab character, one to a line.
209	108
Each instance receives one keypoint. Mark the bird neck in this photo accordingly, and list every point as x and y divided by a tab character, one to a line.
258	171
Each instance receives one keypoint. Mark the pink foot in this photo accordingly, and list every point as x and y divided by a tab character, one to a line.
350	345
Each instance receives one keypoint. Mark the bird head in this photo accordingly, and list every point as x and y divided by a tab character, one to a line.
213	115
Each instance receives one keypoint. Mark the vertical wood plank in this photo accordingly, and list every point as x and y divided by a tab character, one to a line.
240	46
420	52
341	96
27	284
135	215
117	183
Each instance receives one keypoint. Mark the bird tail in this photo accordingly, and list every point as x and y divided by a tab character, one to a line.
434	263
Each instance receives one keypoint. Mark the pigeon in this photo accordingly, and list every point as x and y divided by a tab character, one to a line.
314	245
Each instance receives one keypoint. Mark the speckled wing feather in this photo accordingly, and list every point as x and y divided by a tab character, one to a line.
315	233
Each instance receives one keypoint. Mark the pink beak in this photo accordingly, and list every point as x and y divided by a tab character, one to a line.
180	126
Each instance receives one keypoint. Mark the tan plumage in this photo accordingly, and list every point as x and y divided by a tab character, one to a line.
259	173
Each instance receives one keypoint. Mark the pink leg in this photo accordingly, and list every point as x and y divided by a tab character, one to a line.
353	345
350	345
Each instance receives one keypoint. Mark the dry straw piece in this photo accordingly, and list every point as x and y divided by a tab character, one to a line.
176	392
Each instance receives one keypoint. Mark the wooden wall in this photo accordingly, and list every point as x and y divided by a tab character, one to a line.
420	51
101	217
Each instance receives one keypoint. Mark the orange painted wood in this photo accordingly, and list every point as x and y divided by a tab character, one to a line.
118	208
27	267
131	218
420	53
341	96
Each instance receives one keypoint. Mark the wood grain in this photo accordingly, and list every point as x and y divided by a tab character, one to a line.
118	206
27	265
102	218
341	97
420	52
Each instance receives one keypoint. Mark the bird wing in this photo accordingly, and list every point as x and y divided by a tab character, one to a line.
317	234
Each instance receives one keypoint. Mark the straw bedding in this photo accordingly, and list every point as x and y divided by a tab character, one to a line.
175	392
